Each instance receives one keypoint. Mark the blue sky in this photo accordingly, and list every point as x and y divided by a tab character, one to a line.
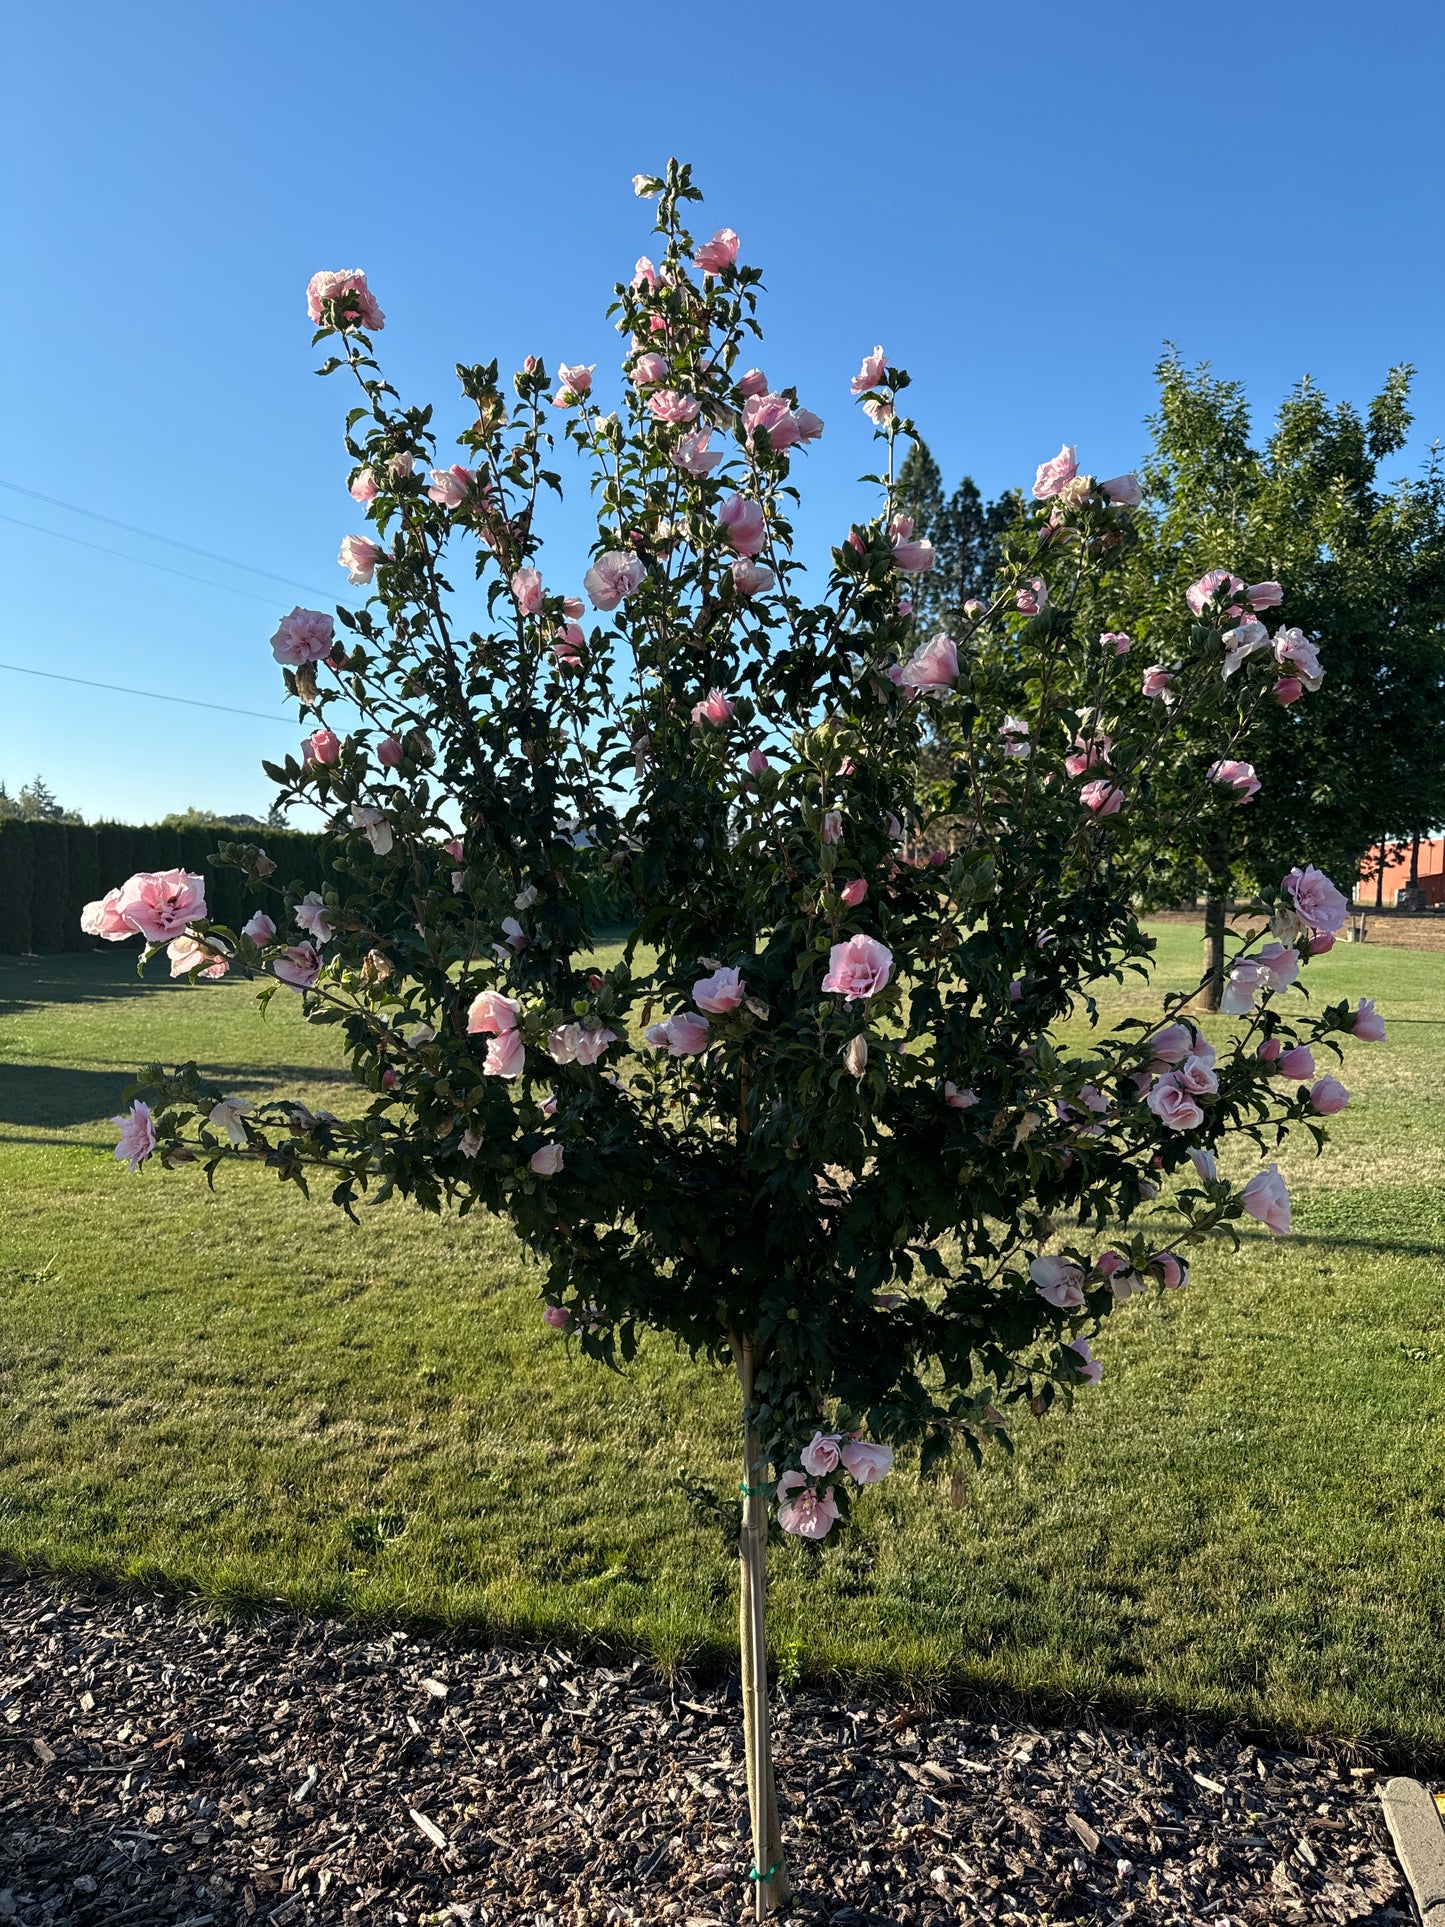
1020	204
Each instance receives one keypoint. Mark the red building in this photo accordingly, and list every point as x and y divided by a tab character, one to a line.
1397	873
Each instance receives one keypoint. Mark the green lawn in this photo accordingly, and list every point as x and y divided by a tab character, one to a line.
243	1394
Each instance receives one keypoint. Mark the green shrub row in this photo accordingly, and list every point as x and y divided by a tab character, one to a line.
50	871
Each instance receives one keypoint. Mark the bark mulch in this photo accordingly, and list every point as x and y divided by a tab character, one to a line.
160	1766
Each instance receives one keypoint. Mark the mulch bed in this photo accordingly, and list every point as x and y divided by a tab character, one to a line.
158	1766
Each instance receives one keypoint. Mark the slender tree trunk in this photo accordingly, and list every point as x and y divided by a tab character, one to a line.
771	1885
1415	861
1380	878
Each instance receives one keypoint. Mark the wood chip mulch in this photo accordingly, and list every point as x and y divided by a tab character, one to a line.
160	1766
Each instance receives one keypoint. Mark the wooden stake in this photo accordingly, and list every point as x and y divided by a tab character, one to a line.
772	1889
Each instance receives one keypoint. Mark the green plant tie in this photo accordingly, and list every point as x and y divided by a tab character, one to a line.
776	1867
751	1490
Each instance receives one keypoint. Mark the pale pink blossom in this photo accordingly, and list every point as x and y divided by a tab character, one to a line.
450	486
557	1316
546	1160
1172	1043
363	487
1197	1075
744	524
490	1013
667	405
227	1116
158	904
567	650
858	968
574	608
527	591
137	1135
723	991
1294	651
1158	681
718	253
933	666
506	1055
715	708
832	828
306	635
1239	777
1058	1280
879	410
400	466
298	965
1055	475
808	425
870	375
754	382
259	928
682	1035
352	302
1087	753
821	1455
1123	490
914	555
1204	1163
311	915
1101	797
774	414
803	1510
853	893
1317	902
1281	961
188	953
1242	988
757	762
389	752
576	382
373	826
1241	642
958	1100
1367	1024
514	933
1264	595
359	558
1116	640
322	746
1088	1367
1033	597
649	369
865	1461
1329	1096
752	578
613	577
1266	1197
1173	1104
694	454
1321	944
1287	690
645	274
1172	1270
1015	733
103	918
1201	593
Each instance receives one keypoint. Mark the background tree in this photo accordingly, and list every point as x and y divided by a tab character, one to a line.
34	802
818	1124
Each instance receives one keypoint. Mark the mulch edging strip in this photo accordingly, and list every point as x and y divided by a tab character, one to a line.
161	1766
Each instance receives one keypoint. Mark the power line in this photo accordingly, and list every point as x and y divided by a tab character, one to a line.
53	501
155	695
250	594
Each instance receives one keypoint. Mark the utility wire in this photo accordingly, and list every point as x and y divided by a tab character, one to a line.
155	695
150	535
251	595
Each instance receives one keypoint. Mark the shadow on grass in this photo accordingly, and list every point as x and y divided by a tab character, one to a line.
54	1096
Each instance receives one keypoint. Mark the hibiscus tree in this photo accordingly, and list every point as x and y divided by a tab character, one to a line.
819	1121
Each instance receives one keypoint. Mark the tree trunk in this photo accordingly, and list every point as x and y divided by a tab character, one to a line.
1380	878
1415	861
1216	909
770	1881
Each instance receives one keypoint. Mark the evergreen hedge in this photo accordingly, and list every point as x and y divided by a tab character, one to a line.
50	871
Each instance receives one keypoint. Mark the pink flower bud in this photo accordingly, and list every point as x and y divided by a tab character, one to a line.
754	382
557	1316
1288	690
388	752
363	486
718	253
757	762
1329	1096
322	746
853	893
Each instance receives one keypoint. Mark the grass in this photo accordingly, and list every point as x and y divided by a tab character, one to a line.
242	1395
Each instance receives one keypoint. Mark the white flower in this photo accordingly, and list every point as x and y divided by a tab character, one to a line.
374	825
311	915
227	1115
